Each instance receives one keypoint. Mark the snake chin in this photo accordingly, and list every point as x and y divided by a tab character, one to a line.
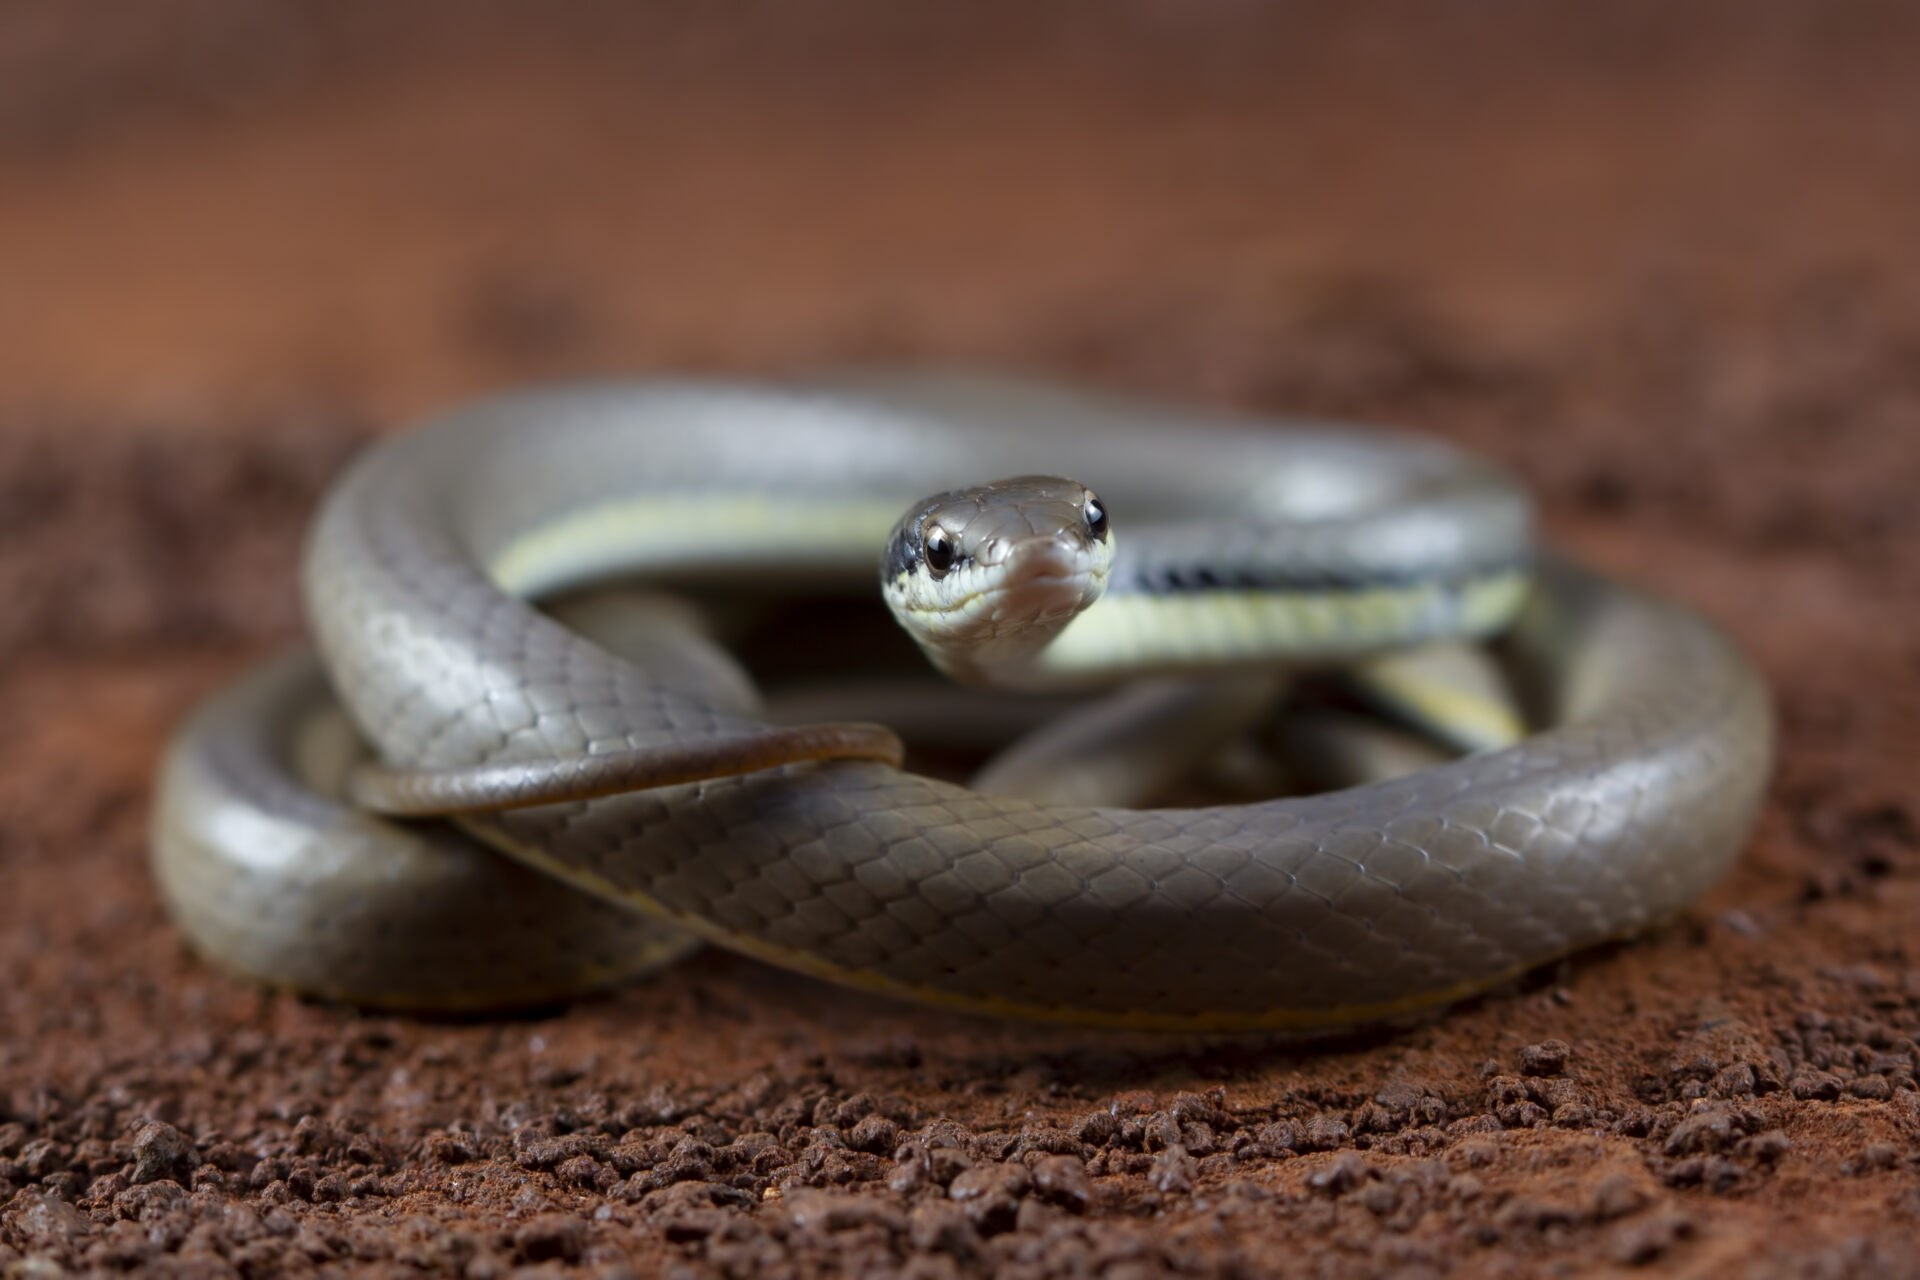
1003	625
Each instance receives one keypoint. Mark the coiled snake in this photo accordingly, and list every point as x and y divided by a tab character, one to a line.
1232	543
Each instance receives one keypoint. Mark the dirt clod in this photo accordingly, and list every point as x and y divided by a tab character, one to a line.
1548	1058
162	1151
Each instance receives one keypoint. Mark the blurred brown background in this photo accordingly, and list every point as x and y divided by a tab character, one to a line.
207	200
1659	258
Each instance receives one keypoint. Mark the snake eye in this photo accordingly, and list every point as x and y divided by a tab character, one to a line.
939	550
1096	517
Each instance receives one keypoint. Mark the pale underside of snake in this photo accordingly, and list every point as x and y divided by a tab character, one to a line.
1236	548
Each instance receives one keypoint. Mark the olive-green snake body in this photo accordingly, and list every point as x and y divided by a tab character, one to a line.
1236	543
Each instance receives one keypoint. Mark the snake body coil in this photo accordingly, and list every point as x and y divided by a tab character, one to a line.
1242	544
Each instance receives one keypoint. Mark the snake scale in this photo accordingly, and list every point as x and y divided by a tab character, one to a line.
1236	542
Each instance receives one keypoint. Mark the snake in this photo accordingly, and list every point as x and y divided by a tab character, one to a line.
603	804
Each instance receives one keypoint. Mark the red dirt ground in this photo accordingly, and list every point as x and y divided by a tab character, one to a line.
1659	259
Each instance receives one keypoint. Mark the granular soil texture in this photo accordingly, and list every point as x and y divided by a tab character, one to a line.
1658	259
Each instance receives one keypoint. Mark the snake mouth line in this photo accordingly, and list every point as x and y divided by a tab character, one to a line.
1038	602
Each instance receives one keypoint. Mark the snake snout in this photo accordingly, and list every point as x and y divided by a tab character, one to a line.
1048	576
1060	555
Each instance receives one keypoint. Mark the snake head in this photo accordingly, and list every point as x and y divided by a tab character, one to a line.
984	578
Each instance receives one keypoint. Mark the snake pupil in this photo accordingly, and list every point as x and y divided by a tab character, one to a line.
939	551
1096	517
